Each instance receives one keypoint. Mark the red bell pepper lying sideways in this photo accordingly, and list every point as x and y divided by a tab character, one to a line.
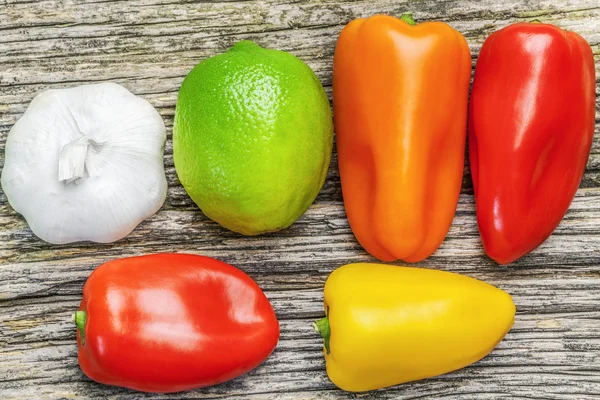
172	322
531	124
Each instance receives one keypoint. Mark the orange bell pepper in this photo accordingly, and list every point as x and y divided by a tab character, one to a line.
400	94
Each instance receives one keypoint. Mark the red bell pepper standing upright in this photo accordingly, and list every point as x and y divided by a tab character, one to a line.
172	322
531	124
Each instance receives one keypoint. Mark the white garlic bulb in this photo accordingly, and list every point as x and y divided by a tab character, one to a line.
86	163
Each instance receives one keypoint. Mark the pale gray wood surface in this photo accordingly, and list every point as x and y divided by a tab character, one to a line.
553	351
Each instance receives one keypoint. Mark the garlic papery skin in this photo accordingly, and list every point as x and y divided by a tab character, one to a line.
86	163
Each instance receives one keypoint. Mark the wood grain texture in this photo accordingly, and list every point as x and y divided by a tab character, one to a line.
553	351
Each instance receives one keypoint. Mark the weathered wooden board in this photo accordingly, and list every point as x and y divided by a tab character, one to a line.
553	351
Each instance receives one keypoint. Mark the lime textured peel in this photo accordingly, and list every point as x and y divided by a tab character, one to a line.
252	138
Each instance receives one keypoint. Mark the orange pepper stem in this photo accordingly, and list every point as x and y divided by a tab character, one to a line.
79	318
408	18
322	328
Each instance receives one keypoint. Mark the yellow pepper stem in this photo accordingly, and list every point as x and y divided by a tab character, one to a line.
322	328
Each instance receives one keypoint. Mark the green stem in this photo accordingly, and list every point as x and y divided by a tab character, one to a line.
322	328
535	21
79	318
408	18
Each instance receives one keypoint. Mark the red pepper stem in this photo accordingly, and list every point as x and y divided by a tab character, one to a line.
408	18
322	328
535	21
79	318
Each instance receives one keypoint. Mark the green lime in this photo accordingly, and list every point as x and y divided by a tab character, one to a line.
252	138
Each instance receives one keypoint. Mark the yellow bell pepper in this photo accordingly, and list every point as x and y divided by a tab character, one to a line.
387	325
